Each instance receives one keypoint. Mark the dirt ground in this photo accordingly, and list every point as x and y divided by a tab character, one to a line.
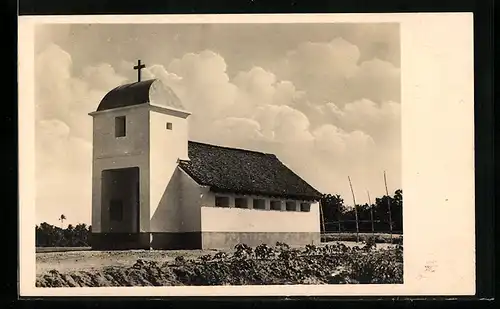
95	260
88	260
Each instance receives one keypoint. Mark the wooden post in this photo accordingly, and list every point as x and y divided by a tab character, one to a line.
371	212
355	210
321	214
388	205
339	216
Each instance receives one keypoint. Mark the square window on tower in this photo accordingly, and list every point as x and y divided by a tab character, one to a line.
120	126
169	126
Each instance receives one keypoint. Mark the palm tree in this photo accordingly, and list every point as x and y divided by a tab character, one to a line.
62	218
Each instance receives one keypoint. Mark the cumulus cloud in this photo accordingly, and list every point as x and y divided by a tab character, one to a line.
376	79
206	86
102	76
230	130
321	69
283	123
257	83
63	132
330	71
62	95
335	141
267	114
48	34
323	113
63	170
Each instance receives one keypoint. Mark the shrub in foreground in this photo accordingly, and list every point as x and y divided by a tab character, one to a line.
331	264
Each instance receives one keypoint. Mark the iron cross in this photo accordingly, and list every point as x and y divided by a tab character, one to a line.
139	67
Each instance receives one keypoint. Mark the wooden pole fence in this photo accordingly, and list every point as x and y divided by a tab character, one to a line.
371	212
355	209
388	205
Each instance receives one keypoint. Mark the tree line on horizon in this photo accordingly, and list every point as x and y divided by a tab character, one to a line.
48	235
337	217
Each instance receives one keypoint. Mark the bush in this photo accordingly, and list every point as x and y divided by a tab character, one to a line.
47	235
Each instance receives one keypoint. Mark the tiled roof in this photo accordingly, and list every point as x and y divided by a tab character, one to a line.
242	171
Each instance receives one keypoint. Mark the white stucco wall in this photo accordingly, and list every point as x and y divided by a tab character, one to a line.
151	147
110	152
192	197
218	219
166	147
136	140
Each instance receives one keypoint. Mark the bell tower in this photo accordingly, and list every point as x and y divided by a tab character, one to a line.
139	133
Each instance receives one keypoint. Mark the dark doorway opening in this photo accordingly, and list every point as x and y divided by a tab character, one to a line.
120	201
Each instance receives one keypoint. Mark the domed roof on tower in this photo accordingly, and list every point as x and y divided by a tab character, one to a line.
151	91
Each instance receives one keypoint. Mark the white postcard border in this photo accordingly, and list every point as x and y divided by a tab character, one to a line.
438	158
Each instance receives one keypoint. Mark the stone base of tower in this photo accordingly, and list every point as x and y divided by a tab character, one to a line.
119	241
137	241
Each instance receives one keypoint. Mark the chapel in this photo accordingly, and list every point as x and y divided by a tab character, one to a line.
153	188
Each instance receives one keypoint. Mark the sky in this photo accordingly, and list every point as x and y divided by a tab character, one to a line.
325	98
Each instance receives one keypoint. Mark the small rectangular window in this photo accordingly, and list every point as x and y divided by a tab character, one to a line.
116	210
259	204
221	201
291	206
240	202
169	126
305	207
275	205
120	126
